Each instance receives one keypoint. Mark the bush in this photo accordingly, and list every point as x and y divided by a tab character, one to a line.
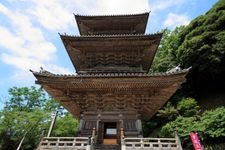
188	107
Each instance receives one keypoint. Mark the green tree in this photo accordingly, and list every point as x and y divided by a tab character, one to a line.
202	46
213	122
183	126
188	107
28	111
210	126
166	57
168	112
25	99
24	113
66	125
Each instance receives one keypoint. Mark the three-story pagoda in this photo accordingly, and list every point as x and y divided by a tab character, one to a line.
112	88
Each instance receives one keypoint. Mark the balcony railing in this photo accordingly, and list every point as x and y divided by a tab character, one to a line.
75	143
147	143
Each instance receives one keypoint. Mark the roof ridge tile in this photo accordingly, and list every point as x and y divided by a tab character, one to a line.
112	15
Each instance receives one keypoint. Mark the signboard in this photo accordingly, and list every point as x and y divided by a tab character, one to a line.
195	141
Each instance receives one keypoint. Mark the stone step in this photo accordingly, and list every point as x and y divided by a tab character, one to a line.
107	147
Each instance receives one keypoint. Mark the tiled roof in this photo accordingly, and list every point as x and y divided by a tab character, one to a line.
112	35
112	15
49	74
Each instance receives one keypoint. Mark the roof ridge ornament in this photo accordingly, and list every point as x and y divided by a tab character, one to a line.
175	69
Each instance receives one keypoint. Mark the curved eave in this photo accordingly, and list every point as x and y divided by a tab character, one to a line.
92	24
62	86
45	73
77	46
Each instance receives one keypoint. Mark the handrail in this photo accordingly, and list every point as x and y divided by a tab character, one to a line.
78	143
147	143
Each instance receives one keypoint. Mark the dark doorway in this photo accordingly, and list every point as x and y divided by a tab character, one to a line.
110	133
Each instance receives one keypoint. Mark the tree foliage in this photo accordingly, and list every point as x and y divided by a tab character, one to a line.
211	124
166	56
188	107
185	117
25	99
168	113
65	126
28	112
202	46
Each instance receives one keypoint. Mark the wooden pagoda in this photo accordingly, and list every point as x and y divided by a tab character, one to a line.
112	89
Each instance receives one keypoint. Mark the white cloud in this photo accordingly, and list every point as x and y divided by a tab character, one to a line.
21	63
53	15
3	9
58	15
174	20
120	7
158	5
57	69
23	44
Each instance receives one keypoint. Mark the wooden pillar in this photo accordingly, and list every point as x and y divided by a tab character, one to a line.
97	122
139	126
81	122
120	128
121	120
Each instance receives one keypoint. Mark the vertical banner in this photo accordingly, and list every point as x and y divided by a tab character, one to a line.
195	141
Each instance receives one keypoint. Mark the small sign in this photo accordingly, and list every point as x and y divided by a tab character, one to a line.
195	141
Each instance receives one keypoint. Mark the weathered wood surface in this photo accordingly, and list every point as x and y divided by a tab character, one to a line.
140	93
112	24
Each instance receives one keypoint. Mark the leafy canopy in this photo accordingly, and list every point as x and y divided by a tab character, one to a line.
28	112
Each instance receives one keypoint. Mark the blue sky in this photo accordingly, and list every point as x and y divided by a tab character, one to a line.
29	31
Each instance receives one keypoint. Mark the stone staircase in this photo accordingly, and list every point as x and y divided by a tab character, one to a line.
108	147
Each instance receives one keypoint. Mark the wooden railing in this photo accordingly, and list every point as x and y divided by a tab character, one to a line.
76	143
151	143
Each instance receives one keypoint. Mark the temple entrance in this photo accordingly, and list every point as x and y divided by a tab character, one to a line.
110	133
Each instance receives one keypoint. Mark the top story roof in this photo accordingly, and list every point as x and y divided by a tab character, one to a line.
112	24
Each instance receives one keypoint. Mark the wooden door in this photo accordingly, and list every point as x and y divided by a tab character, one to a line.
110	133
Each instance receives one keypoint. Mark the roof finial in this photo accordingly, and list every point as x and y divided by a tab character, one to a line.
175	69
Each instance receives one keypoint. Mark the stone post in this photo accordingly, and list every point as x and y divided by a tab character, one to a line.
178	141
123	145
88	147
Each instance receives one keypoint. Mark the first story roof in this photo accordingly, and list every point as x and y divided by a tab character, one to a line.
144	94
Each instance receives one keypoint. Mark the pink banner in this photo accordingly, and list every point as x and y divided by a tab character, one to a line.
195	141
